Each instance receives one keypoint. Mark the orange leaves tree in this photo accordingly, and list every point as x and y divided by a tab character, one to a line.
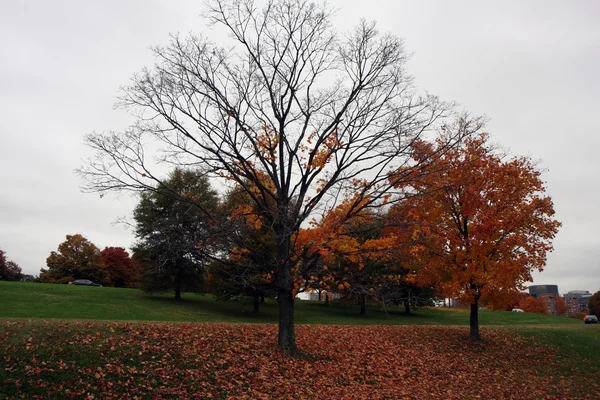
356	258
482	222
534	305
77	258
288	110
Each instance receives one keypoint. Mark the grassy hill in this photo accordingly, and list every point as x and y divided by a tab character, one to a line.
37	300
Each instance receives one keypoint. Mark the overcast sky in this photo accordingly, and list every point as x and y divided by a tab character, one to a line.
533	67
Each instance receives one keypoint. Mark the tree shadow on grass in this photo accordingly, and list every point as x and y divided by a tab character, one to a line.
238	310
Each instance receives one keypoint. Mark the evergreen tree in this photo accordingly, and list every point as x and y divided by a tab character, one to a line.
173	229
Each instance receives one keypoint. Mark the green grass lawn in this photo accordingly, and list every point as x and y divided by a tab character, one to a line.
38	300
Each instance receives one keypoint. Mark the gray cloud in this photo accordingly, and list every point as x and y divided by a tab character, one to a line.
532	67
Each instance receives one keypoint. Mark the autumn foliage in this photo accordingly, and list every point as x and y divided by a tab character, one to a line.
76	258
96	360
534	305
561	305
481	221
123	271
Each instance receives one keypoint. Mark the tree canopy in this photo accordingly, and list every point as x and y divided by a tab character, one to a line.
77	258
172	232
123	271
481	221
249	248
9	270
594	304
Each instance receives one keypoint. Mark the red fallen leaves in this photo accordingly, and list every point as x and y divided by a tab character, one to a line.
186	360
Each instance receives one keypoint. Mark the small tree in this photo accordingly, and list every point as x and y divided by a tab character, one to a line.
561	306
350	251
594	304
77	258
403	287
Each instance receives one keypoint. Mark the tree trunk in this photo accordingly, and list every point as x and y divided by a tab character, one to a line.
363	304
326	298
474	320
287	338
178	279
285	299
256	304
407	307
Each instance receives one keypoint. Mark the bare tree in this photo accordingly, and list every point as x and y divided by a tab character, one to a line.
292	112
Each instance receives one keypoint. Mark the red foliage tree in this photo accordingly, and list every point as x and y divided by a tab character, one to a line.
360	258
482	222
123	271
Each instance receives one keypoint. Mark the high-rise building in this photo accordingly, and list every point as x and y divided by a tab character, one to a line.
538	290
577	301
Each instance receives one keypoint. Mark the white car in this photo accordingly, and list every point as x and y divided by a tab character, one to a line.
517	310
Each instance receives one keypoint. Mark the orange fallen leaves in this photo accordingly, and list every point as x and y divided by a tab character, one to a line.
189	360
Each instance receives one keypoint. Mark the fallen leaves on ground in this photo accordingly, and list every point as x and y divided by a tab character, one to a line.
93	360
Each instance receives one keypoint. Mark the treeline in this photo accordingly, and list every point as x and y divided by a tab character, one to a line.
78	258
470	225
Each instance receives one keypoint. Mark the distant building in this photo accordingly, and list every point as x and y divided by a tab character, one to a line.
577	301
314	295
538	290
550	300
